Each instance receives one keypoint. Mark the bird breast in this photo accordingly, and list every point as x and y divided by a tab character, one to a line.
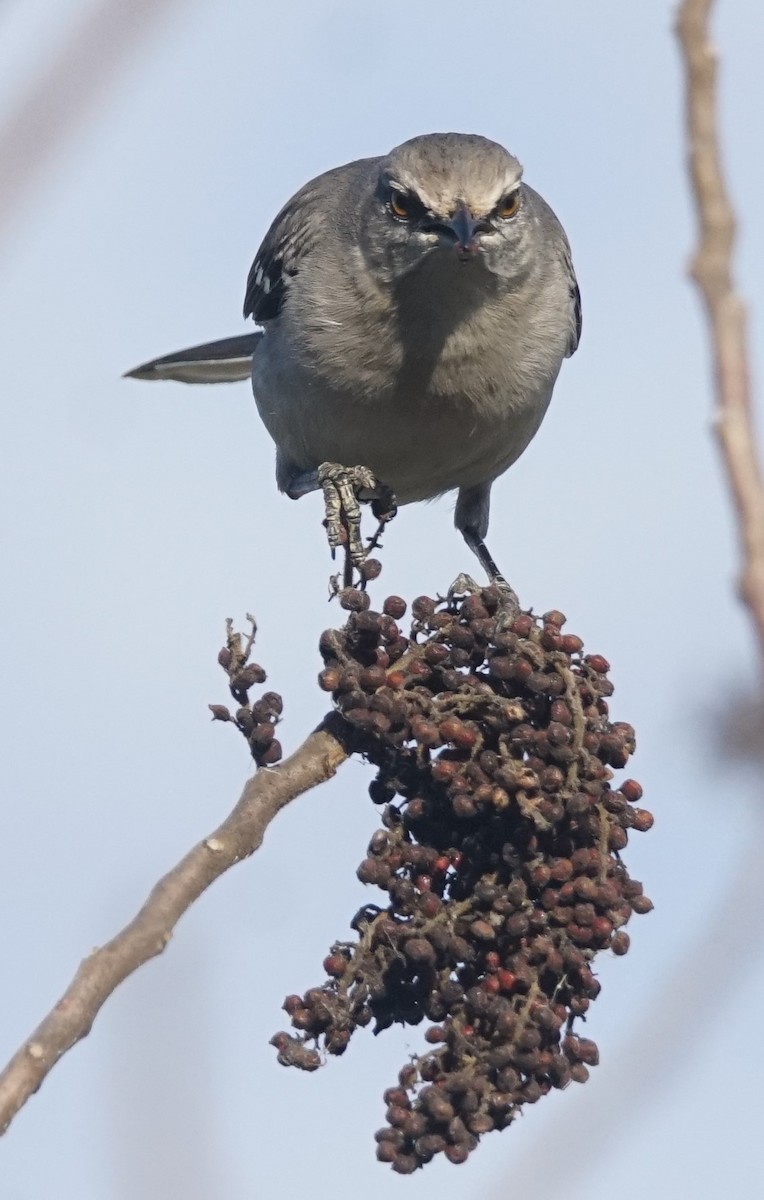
431	391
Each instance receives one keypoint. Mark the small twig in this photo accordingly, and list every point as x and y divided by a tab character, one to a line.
240	834
711	270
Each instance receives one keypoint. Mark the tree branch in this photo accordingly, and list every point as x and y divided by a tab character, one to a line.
240	834
72	81
711	270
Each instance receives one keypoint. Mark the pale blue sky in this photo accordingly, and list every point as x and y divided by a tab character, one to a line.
137	517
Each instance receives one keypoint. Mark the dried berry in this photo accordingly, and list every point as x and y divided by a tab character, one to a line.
354	600
219	712
371	569
498	862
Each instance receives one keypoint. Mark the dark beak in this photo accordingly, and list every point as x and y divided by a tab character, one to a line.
460	231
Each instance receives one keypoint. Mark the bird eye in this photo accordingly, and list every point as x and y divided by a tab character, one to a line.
400	204
509	205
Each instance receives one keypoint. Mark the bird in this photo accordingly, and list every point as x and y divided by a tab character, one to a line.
414	311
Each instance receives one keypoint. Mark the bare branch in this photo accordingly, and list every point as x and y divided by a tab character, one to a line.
711	270
65	90
240	834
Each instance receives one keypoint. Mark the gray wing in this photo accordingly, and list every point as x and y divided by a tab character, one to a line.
302	224
275	264
575	304
555	237
291	237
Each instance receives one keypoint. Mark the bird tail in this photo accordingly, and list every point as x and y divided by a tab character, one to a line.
225	361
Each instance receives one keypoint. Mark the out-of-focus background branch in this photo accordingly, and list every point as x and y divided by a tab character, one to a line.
147	935
135	519
66	87
670	1033
712	271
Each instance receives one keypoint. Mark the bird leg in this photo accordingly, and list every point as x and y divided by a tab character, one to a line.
471	519
343	488
479	548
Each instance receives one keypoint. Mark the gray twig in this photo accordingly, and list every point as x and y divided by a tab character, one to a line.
240	834
711	269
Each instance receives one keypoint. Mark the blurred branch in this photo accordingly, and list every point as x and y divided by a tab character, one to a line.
67	88
240	834
711	270
669	1032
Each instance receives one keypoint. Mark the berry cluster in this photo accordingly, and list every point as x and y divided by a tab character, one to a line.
499	856
256	721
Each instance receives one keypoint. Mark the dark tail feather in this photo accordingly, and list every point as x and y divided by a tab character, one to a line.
225	361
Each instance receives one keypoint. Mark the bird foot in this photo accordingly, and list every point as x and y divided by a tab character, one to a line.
465	585
344	488
510	602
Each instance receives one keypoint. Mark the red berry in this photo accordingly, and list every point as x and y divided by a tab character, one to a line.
522	625
219	712
354	600
435	1034
554	617
423	607
632	791
643	820
271	754
620	943
372	678
598	663
507	980
572	644
617	838
395	607
588	1052
371	569
335	965
329	678
601	928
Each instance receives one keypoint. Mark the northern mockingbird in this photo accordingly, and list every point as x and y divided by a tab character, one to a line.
415	312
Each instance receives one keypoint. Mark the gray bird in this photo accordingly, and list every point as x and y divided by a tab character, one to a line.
415	313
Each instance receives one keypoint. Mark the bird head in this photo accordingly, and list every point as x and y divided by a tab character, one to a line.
456	198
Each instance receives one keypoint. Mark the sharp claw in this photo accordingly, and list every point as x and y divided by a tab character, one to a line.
509	598
463	585
342	488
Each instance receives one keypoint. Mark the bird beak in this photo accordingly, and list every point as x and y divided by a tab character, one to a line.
464	226
460	231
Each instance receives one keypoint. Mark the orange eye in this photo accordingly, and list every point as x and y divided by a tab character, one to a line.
400	204
509	205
